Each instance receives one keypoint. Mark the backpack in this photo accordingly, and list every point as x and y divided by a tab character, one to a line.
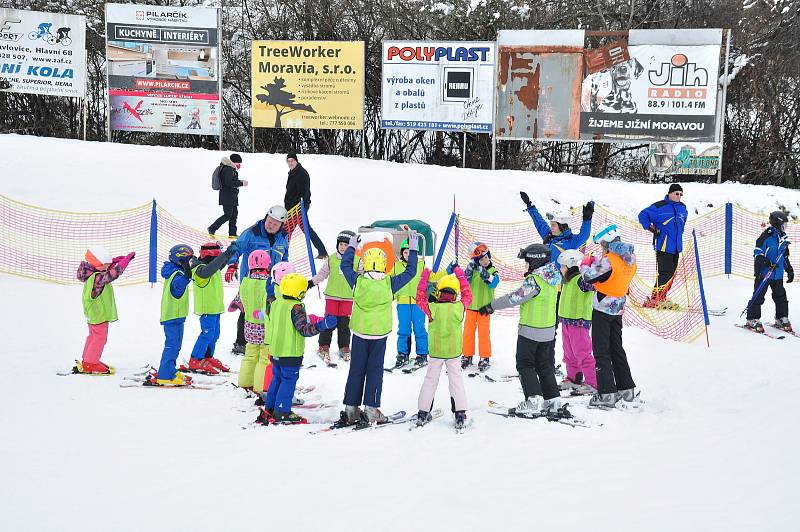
216	182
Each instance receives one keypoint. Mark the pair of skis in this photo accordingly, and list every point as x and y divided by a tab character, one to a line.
562	415
780	333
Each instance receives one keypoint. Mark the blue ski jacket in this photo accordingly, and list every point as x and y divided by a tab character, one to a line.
773	244
668	218
566	240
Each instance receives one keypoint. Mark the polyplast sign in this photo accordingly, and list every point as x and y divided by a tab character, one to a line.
43	53
445	86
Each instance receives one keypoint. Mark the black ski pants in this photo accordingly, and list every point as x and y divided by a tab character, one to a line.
342	333
230	213
778	296
315	239
613	372
536	367
667	264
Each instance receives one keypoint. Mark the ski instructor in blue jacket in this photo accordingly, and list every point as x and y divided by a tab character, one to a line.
666	220
556	234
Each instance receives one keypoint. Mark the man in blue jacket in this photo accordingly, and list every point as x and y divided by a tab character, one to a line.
267	234
666	220
556	233
772	254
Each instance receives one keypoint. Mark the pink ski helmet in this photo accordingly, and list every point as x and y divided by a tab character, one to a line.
258	260
281	269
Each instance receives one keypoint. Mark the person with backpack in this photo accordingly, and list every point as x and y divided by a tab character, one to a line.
226	179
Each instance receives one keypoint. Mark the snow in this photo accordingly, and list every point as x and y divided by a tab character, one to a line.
711	451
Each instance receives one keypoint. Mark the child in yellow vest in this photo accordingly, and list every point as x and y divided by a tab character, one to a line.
575	315
338	300
409	316
483	279
536	338
611	276
255	373
289	326
96	273
446	316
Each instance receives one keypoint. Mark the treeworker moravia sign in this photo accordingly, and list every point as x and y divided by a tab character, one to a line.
316	84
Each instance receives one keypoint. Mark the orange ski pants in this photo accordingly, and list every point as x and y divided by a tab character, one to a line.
473	320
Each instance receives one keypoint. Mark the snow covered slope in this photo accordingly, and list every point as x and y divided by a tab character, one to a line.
713	450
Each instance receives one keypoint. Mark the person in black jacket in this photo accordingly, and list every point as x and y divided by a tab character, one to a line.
298	186
229	193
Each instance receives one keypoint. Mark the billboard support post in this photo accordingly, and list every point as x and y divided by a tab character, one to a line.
464	151
721	118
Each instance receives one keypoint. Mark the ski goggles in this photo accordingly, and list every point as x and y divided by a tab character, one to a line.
479	251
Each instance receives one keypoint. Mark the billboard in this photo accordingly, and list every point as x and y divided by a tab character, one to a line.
684	158
163	69
664	91
312	84
42	53
444	86
539	84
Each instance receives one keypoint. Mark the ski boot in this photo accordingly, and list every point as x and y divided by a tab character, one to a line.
218	365
783	324
754	325
238	350
465	361
265	417
179	380
259	400
461	419
374	415
423	418
351	415
324	353
421	360
572	384
93	368
401	361
344	354
530	407
202	365
288	418
604	401
483	364
628	399
550	406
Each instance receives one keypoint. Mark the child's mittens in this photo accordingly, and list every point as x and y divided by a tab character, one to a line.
484	273
123	262
354	240
313	319
452	265
588	260
236	304
327	323
231	272
413	241
257	313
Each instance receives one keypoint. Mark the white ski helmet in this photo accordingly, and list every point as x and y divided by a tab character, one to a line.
97	256
276	212
561	218
607	235
570	258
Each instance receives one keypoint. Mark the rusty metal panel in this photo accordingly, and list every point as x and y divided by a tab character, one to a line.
538	92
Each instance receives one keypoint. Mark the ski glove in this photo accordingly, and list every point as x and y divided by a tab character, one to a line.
485	277
327	323
525	199
588	211
588	260
354	241
486	310
761	263
655	230
236	304
231	272
452	265
123	261
789	272
413	241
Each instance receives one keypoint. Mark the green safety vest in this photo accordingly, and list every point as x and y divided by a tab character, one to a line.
575	304
337	284
101	309
372	306
482	295
285	341
172	308
208	294
540	312
444	331
408	294
253	293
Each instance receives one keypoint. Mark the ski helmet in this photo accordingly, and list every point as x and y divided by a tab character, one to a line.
281	269
404	245
210	249
448	282
536	255
180	254
777	219
344	236
98	257
607	235
561	218
258	260
570	258
374	260
294	286
477	250
276	212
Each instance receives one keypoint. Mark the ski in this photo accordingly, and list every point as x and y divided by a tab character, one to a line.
394	417
562	415
436	413
489	378
144	384
148	377
775	326
762	333
317	406
414	368
674	307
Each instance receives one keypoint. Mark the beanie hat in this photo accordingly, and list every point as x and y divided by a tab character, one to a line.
236	158
674	187
291	156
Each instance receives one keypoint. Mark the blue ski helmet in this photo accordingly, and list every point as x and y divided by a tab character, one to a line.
180	254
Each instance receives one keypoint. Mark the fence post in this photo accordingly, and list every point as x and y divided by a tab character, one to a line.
308	238
153	244
728	237
443	245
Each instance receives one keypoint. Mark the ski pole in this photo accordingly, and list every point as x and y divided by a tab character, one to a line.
763	282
